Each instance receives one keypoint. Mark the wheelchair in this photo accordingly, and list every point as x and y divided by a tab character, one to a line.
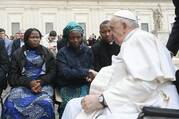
159	112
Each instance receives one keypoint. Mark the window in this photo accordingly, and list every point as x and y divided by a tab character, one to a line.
48	27
145	26
83	25
15	27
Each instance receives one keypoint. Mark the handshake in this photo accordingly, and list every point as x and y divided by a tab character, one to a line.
91	75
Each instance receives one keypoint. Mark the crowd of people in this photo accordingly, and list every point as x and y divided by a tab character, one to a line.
34	65
112	78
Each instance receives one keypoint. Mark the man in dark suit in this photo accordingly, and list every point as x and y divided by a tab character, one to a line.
173	42
105	48
18	42
7	41
4	66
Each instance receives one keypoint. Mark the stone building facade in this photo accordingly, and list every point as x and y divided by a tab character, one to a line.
155	16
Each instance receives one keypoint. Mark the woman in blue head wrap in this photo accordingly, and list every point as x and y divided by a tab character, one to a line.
74	65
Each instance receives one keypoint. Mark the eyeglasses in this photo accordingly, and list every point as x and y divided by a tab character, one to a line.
2	33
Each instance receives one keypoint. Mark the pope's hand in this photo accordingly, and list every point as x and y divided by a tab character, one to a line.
90	103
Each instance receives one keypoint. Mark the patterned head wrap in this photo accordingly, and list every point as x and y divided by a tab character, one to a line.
72	26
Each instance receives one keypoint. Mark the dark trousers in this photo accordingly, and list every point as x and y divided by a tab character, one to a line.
177	80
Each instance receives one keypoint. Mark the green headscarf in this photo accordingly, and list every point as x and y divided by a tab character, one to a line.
72	26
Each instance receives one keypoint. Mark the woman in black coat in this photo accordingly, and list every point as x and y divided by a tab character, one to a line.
31	75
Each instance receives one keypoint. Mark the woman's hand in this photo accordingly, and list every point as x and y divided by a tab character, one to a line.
91	75
35	86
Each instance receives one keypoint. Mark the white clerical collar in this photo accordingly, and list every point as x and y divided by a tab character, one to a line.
111	43
130	34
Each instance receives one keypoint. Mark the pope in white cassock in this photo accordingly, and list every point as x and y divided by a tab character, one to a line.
140	75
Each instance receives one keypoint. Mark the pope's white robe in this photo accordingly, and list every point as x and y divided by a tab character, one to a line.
141	75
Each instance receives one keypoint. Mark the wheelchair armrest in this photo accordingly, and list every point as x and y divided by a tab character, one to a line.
159	112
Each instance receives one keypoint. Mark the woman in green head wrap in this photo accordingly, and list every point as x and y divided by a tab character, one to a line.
71	26
74	65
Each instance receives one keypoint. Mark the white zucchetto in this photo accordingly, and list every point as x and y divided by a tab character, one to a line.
125	14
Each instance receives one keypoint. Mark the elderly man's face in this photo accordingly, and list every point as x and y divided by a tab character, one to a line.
21	35
17	35
118	30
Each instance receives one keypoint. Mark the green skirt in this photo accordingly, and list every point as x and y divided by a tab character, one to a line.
68	93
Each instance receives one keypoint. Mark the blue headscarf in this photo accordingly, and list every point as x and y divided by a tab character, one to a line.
72	26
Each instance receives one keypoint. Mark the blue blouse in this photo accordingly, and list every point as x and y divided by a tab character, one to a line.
33	65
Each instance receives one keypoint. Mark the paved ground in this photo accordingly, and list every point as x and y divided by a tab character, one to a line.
6	92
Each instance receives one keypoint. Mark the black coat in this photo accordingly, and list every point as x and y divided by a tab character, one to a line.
61	44
102	54
173	42
15	45
73	65
4	65
16	78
